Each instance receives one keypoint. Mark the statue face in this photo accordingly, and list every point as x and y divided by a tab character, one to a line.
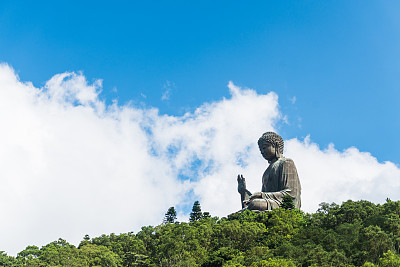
267	150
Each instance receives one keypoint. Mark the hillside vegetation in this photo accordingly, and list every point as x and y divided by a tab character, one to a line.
354	234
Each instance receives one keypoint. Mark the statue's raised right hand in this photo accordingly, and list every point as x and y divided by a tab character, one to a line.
241	184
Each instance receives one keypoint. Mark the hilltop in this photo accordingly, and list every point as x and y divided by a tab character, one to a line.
356	233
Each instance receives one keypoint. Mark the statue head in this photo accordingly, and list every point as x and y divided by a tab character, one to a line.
275	140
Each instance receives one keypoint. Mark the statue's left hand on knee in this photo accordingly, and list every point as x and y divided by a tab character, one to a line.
256	195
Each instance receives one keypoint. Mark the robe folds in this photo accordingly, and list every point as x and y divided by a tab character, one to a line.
279	179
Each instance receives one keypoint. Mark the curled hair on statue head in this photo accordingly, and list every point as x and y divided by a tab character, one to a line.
274	139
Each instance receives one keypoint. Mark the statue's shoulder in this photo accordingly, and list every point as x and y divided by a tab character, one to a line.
286	162
282	159
286	159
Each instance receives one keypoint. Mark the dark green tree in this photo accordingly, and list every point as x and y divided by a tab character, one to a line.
170	216
196	213
206	214
85	241
287	203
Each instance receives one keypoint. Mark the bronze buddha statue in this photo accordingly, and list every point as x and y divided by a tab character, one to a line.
279	179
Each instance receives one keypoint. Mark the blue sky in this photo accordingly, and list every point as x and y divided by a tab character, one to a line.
340	59
187	89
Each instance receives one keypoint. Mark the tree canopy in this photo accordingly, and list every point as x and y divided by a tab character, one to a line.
170	216
196	213
356	233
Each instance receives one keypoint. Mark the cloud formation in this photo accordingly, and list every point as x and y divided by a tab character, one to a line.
70	165
329	175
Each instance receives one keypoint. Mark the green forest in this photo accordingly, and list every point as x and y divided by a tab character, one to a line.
356	233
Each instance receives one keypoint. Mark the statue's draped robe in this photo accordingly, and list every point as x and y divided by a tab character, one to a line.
279	179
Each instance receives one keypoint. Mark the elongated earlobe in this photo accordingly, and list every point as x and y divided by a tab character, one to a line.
277	152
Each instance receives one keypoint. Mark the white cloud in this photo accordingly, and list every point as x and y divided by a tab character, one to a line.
166	94
70	165
330	175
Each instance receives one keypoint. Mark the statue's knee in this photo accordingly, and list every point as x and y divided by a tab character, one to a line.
258	204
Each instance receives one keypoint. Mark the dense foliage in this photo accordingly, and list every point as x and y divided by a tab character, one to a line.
353	234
